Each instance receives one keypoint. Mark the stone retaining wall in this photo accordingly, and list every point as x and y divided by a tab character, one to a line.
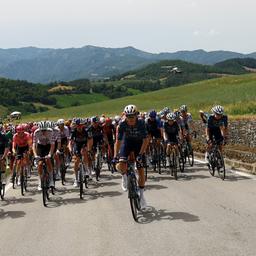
242	139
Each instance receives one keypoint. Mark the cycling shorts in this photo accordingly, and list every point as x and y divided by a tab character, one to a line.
43	150
129	146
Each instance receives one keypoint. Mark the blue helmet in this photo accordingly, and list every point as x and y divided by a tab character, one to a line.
152	113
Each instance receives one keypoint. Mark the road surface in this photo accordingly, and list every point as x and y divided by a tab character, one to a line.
196	215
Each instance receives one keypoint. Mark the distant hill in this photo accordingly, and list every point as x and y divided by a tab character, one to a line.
48	65
31	98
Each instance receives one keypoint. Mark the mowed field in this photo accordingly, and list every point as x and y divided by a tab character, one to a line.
236	93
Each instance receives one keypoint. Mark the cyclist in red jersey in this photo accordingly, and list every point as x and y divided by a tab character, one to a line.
20	145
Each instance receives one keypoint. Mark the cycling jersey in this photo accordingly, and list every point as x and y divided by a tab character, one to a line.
131	137
185	121
153	127
109	131
80	136
172	132
97	134
214	125
43	138
137	132
23	141
56	134
95	131
80	139
3	143
64	133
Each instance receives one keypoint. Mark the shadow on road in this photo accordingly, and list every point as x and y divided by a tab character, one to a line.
185	177
11	214
155	186
151	214
14	200
88	196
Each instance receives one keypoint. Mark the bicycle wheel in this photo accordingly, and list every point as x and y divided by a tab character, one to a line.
22	181
191	157
44	190
174	166
2	190
98	166
26	180
81	182
133	197
14	178
159	164
211	165
181	163
220	165
184	152
63	173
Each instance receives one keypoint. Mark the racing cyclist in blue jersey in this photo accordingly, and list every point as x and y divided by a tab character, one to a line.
217	129
131	137
154	125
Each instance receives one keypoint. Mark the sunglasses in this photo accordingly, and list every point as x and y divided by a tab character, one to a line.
131	116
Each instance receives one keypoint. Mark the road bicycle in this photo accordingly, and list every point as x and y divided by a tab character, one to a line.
216	161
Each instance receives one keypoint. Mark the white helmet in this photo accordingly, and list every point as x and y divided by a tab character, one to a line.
130	110
184	108
117	118
43	125
102	120
51	124
60	121
171	117
218	110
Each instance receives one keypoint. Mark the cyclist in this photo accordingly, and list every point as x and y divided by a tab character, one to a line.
171	132
217	128
43	146
64	136
22	141
131	137
81	142
116	122
109	134
97	133
154	125
3	151
9	136
187	124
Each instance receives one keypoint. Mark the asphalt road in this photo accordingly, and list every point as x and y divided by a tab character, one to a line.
196	215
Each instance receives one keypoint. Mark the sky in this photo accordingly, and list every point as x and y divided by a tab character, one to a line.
150	25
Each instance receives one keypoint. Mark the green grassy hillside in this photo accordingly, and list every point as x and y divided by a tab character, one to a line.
236	93
68	100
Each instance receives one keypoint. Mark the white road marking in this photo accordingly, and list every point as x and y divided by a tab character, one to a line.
243	174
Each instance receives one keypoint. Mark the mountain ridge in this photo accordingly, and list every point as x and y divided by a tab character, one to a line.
46	65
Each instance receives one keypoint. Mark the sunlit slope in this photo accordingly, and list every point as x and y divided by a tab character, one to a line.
236	93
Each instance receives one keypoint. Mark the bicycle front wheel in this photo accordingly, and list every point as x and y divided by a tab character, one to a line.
191	157
133	197
81	185
220	165
174	166
2	190
22	185
44	190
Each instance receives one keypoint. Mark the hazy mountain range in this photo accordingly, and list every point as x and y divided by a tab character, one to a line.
47	65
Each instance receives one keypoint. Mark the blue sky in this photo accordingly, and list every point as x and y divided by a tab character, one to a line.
150	25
